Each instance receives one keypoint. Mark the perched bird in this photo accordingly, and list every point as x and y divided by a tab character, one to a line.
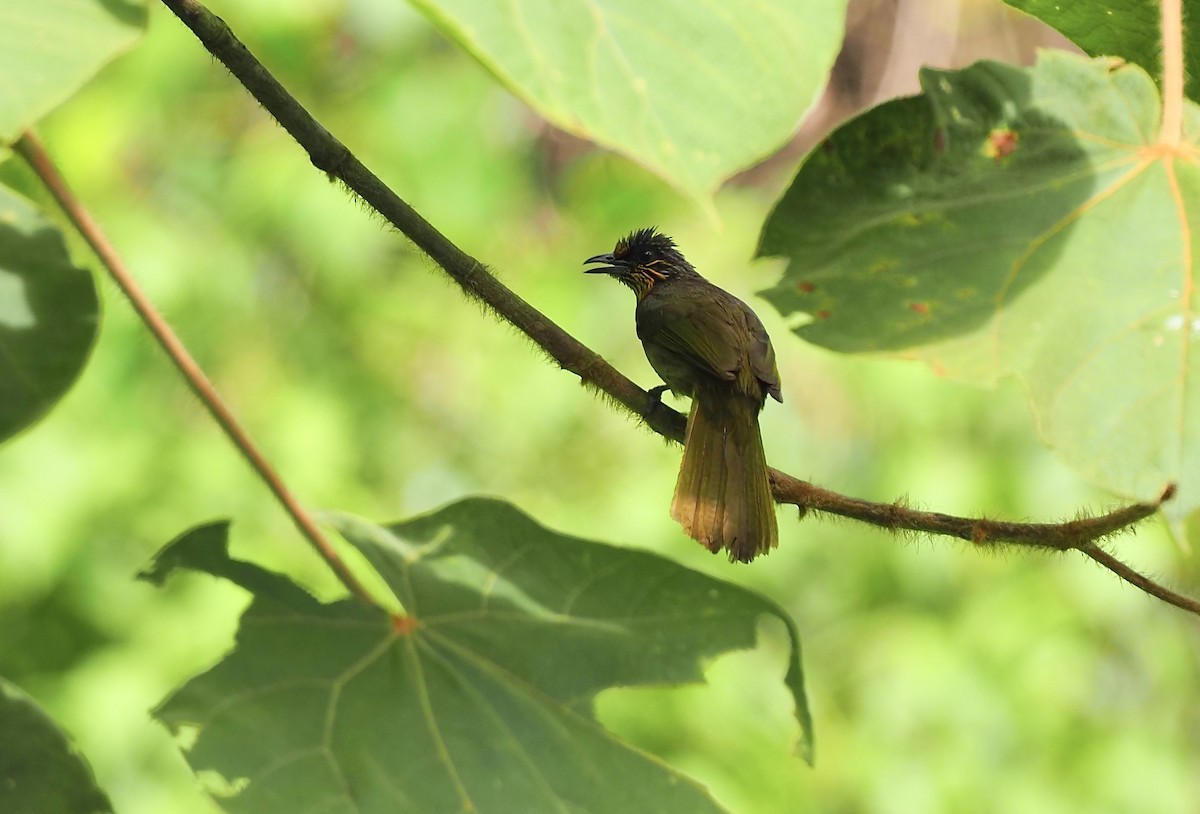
708	345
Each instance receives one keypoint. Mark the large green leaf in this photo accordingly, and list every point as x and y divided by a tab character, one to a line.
49	314
694	91
477	698
40	771
1018	222
49	48
1122	28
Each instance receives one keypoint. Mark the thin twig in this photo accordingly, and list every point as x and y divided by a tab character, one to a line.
1141	581
331	156
30	148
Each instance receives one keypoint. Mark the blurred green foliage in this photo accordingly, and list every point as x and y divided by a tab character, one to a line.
941	680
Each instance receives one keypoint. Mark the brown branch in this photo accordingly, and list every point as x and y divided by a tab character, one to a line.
30	148
1073	534
1131	576
331	156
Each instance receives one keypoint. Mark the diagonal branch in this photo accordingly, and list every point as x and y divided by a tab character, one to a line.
331	156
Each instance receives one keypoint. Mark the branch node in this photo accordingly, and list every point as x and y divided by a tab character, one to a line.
585	365
330	157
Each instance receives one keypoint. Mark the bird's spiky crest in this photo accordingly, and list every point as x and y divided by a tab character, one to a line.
647	238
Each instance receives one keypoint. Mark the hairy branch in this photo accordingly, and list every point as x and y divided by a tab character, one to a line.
1140	580
331	156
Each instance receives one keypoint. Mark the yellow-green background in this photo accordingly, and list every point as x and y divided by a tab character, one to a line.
941	678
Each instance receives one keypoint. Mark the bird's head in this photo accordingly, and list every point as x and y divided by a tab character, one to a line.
642	260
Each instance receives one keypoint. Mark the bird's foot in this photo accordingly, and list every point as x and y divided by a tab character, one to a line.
654	398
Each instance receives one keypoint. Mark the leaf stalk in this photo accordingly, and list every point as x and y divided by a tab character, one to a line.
30	148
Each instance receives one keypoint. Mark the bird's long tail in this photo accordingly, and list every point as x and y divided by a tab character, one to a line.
723	495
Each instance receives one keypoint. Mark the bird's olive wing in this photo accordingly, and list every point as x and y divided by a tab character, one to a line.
703	334
762	357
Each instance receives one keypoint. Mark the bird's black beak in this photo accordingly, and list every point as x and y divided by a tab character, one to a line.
611	265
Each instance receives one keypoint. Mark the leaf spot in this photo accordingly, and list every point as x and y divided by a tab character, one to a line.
1001	143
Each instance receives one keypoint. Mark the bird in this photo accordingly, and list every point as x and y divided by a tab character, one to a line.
708	345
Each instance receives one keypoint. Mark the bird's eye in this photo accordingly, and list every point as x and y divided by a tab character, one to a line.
647	254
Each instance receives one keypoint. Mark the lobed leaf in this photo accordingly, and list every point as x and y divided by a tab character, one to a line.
479	696
1018	222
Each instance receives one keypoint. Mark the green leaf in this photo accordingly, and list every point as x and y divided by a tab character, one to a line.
40	771
693	91
49	48
480	697
1018	222
1128	29
49	314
